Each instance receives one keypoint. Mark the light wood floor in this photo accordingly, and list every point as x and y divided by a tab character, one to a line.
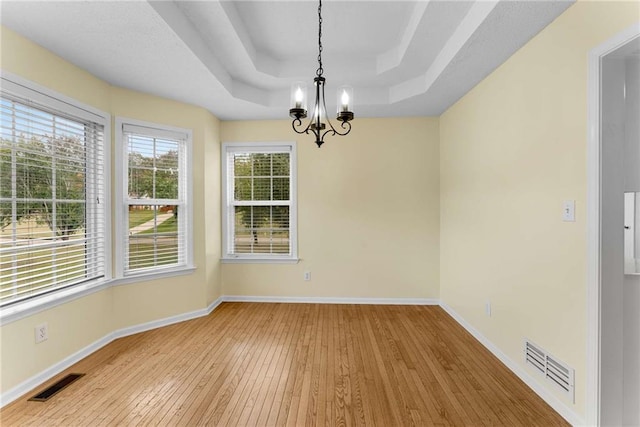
293	364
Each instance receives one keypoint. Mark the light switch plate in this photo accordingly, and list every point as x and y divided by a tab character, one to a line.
569	210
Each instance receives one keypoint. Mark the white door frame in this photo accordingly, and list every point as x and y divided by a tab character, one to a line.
593	218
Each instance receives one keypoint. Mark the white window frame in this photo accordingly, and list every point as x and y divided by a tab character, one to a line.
227	207
38	94
121	205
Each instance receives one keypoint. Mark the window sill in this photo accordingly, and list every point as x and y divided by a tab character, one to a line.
153	275
259	260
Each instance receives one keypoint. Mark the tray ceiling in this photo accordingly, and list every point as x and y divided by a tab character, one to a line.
238	58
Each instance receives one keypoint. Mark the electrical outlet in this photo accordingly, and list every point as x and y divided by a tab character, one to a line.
307	276
42	333
487	308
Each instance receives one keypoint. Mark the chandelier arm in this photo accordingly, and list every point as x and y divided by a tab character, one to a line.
345	125
293	125
333	131
297	123
330	130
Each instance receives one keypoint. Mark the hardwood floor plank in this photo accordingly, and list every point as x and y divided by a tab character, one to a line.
370	373
323	372
293	364
305	405
390	401
361	402
275	370
245	403
283	395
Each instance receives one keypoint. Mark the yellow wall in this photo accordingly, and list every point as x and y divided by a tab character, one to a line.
368	209
79	323
511	151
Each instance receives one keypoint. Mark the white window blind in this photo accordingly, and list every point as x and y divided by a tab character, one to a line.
52	201
156	198
260	206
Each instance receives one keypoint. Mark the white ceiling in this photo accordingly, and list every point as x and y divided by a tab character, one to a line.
238	58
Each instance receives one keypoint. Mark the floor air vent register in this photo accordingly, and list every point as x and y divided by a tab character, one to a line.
555	371
55	388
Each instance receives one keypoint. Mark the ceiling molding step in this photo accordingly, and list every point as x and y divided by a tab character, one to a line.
255	65
251	56
184	29
240	31
236	37
392	58
463	33
251	93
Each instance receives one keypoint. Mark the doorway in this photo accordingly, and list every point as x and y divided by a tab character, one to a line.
614	168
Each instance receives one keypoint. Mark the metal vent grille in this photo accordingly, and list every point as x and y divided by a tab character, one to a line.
534	356
560	374
554	370
50	391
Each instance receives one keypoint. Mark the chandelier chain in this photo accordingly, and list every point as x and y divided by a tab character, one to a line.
319	71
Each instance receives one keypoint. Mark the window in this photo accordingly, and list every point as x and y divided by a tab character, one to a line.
155	223
52	194
259	196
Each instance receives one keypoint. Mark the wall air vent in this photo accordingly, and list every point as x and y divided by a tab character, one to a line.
554	370
534	356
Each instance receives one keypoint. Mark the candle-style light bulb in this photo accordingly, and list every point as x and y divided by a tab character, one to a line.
299	96
345	100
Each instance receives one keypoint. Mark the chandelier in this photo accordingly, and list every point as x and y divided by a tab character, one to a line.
319	123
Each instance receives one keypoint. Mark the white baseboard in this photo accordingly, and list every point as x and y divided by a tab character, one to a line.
332	300
517	369
124	332
40	378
